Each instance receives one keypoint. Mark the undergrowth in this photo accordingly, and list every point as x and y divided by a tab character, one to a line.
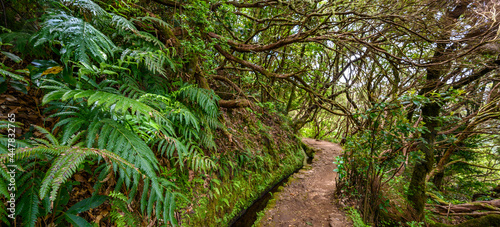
357	220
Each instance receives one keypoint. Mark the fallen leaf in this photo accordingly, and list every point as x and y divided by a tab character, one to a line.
53	70
10	98
80	178
14	111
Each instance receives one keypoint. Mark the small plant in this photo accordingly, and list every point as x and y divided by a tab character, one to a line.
339	162
357	220
120	214
415	224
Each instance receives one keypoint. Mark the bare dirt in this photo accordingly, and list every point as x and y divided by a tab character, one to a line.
309	199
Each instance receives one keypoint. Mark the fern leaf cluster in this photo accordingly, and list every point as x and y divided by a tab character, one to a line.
82	41
115	102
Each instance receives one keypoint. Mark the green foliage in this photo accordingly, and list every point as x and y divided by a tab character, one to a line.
9	75
324	127
226	198
415	224
341	170
81	41
357	221
376	154
113	78
89	203
112	106
64	162
120	214
488	220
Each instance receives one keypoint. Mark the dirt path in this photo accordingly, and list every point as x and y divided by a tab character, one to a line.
308	201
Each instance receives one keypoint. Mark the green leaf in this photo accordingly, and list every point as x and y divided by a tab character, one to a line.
87	204
30	210
76	220
12	56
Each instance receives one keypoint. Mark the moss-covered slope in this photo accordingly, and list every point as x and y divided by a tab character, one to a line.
255	151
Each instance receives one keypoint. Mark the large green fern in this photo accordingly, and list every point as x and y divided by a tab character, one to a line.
63	167
65	161
115	102
81	40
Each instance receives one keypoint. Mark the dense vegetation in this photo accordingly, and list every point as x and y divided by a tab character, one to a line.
165	113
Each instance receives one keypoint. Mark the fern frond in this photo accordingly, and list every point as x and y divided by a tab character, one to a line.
63	167
116	103
3	188
205	99
123	24
154	60
4	143
128	145
155	20
207	139
47	134
201	163
31	201
81	40
156	42
87	6
120	214
151	201
20	39
169	145
14	76
144	196
131	88
22	153
71	128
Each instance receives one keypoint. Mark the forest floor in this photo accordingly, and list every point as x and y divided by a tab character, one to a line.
309	199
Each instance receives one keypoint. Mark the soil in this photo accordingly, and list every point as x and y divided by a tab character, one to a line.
309	199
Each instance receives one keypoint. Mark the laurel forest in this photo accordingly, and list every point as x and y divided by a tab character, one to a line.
183	113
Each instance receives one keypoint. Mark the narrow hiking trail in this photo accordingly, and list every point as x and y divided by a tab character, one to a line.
308	200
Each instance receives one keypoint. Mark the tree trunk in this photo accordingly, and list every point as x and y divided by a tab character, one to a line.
416	190
438	180
290	100
237	103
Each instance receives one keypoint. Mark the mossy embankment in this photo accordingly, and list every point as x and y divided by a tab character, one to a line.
256	150
488	220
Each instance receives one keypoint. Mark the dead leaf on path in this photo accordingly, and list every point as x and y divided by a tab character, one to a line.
15	111
32	117
191	175
22	115
98	218
37	134
80	178
103	214
10	98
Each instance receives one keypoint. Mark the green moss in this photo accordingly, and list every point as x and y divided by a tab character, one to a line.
308	150
229	198
488	220
270	205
